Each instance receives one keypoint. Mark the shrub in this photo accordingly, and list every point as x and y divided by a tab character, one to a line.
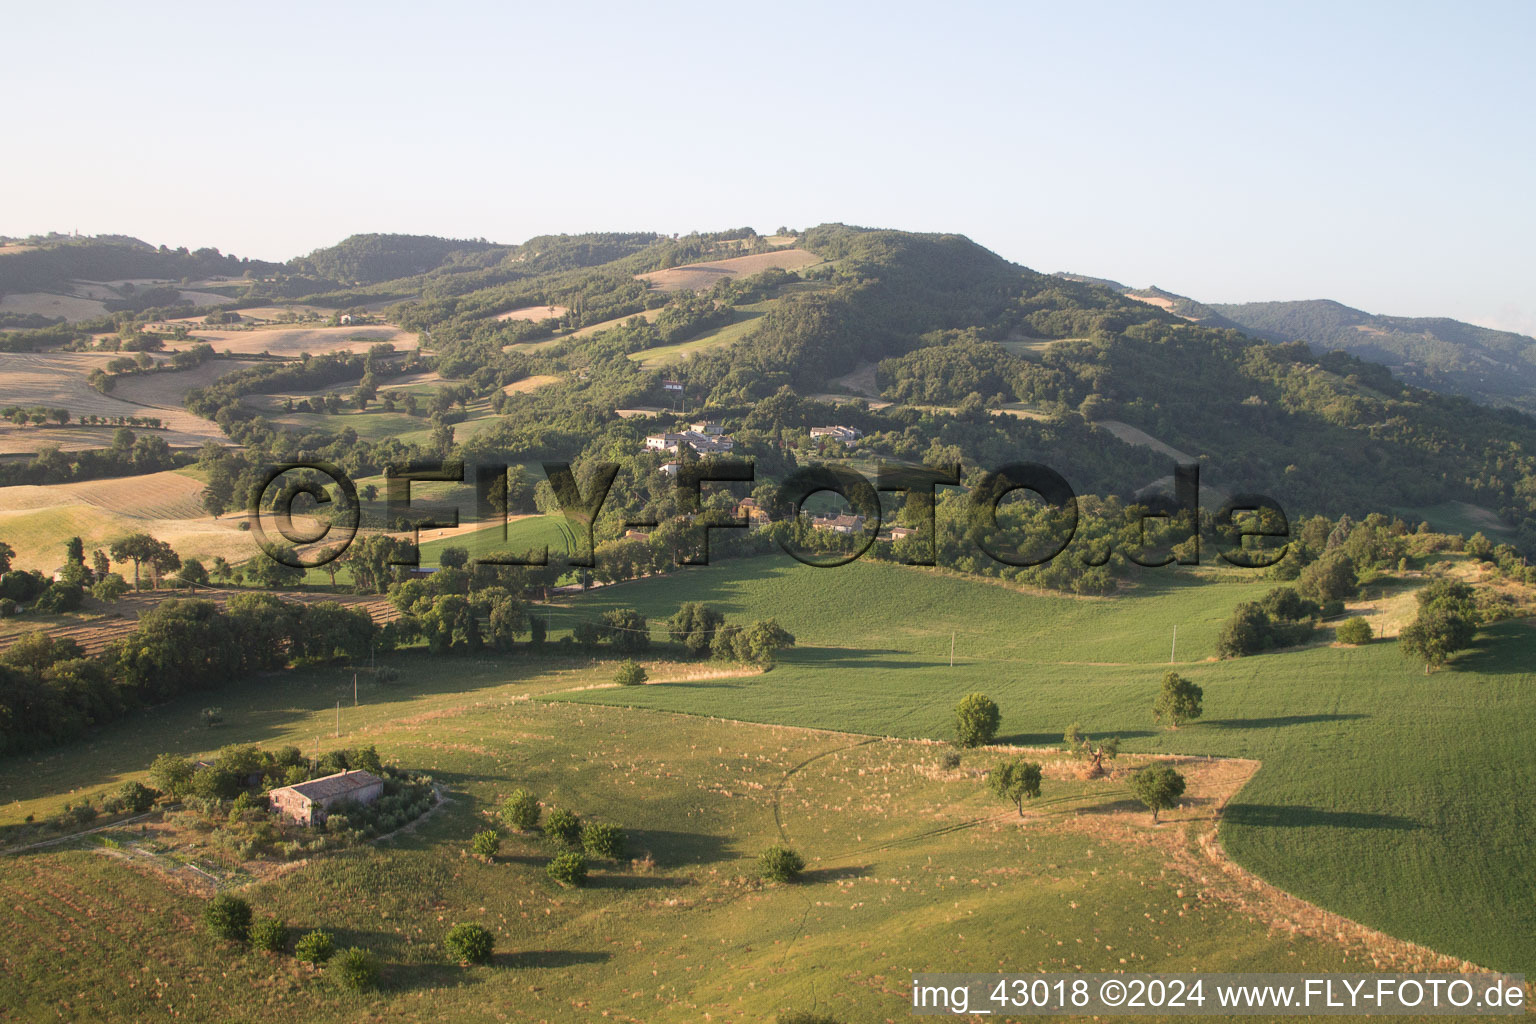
485	843
951	760
602	841
269	934
976	720
354	969
561	826
228	917
806	1018
315	947
469	943
568	868
1354	631
520	811
136	797
630	673
781	864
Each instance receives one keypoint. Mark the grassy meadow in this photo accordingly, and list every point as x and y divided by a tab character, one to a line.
910	868
1389	796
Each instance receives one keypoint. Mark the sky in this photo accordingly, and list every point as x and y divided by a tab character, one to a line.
1377	154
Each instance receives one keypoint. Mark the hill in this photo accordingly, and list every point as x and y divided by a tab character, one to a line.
1494	367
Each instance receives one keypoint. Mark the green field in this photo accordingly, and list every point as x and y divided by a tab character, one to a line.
909	869
1393	798
742	319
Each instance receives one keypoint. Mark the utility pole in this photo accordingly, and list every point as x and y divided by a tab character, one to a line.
338	719
951	648
1172	650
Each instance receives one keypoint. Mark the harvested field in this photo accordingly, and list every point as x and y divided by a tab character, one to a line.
59	379
291	341
700	276
169	390
168	495
70	307
534	313
122	617
528	384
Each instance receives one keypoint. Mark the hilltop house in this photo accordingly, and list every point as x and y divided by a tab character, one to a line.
847	435
307	802
839	523
704	444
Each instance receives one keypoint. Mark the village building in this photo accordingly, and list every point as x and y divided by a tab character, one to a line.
704	444
307	802
847	435
751	511
843	523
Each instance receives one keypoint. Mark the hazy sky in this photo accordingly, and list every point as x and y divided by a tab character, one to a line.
1382	155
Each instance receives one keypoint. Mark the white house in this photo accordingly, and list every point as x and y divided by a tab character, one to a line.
847	435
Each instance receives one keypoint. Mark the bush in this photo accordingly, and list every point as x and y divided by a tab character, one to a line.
136	797
781	864
976	720
1179	701
806	1018
602	841
561	826
630	673
228	917
354	969
315	947
269	934
568	868
469	943
1354	631
951	760
520	811
485	843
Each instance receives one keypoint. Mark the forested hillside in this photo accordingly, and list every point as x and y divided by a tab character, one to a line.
1497	367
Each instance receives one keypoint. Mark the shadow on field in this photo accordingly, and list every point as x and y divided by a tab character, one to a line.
835	874
530	958
1505	651
622	881
669	848
1278	721
1275	816
1054	739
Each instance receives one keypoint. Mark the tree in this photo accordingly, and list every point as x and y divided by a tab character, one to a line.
602	841
1435	635
192	573
228	917
453	557
485	843
781	864
1016	780
563	827
694	626
626	629
976	720
74	551
141	548
354	969
315	947
1158	786
269	933
568	868
520	811
109	587
629	673
136	796
469	943
6	554
1179	701
1083	748
1331	578
171	773
1354	631
1246	632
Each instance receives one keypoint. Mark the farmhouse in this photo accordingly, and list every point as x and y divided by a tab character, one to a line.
307	802
839	523
751	511
708	428
847	435
704	444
